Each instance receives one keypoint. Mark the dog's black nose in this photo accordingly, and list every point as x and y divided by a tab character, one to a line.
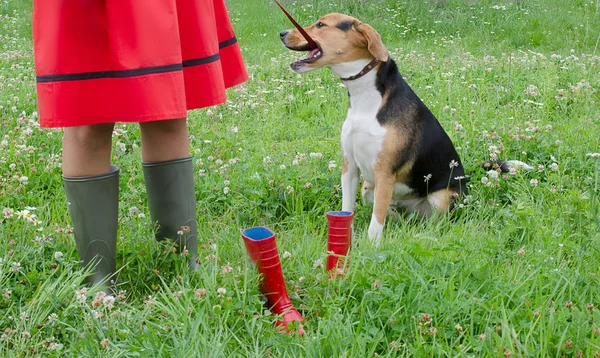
283	33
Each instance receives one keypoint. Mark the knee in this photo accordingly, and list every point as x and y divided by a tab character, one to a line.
95	137
167	128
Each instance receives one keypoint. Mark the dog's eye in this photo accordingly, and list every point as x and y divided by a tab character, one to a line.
319	24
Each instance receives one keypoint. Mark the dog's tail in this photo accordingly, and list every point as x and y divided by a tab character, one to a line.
505	165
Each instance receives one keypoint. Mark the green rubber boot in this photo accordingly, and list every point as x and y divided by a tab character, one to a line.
94	204
172	202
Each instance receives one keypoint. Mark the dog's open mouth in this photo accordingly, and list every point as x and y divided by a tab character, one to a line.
313	55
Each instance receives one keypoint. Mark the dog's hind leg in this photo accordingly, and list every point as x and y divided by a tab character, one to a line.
367	192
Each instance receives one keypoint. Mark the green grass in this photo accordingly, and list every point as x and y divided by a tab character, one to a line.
513	272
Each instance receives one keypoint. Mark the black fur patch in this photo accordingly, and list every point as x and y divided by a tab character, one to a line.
344	25
431	150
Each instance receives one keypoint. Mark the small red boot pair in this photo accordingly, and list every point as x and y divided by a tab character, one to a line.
262	249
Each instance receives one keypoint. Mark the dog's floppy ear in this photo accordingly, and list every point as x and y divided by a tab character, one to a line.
374	43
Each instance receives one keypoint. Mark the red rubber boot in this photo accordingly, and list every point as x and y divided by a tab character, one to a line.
339	238
262	249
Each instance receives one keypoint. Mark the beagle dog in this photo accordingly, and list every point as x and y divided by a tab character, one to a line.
406	158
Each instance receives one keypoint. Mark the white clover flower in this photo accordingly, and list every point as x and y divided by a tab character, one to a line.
221	291
533	182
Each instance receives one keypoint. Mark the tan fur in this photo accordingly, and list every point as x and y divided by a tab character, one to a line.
444	198
385	177
339	46
374	43
345	165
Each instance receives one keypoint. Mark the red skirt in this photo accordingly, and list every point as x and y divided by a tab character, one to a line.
106	61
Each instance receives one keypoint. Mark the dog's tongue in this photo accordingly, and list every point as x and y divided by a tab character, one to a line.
311	43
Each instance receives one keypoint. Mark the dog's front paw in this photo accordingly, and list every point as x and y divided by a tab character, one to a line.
375	232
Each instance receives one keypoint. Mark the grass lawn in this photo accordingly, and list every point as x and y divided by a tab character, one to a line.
513	272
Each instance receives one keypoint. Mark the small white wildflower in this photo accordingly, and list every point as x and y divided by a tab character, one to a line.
493	174
133	211
8	213
533	182
53	317
141	215
267	160
226	269
282	166
484	180
234	129
427	177
24	180
26	335
24	316
15	267
226	190
532	91
287	255
199	293
104	343
554	167
295	162
58	255
453	164
226	182
318	264
109	302
289	189
179	232
121	146
316	155
332	165
221	291
512	171
54	346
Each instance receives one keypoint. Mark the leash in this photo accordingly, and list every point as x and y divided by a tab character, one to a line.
371	65
311	43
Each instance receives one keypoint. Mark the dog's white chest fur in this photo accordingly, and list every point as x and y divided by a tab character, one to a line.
362	135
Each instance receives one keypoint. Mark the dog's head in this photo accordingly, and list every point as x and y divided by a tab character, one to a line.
340	39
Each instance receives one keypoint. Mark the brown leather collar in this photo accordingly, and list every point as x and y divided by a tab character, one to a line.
371	65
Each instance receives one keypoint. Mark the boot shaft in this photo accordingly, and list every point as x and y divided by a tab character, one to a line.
94	204
172	202
339	236
262	249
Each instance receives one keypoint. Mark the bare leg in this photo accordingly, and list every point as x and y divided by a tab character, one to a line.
165	140
86	150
